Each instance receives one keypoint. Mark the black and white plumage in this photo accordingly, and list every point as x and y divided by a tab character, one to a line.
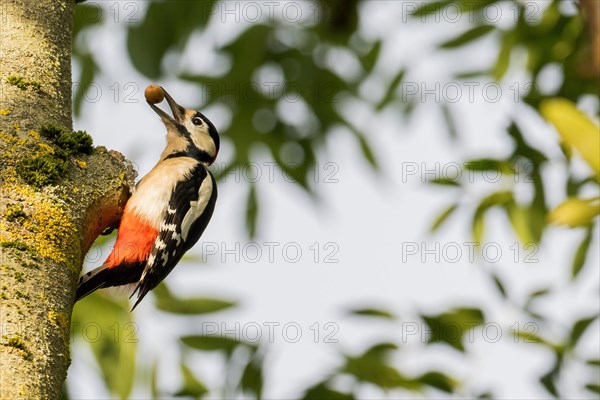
190	208
168	211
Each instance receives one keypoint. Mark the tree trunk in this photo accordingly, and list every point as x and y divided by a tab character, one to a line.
54	198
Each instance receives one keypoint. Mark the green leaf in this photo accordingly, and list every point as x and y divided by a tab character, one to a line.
106	325
450	125
341	20
530	337
539	292
252	377
165	301
438	380
370	59
503	60
444	182
380	350
575	128
372	367
498	198
195	305
574	185
390	93
367	151
251	212
579	328
372	312
211	343
593	387
451	326
478	228
488	164
519	219
86	16
364	146
523	149
472	74
322	391
581	252
192	386
499	285
467	37
494	199
593	362
163	28
534	295
548	380
443	217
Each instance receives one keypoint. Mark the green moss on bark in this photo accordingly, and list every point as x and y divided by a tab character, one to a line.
23	83
41	171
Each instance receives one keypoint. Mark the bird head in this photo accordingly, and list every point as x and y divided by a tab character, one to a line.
188	131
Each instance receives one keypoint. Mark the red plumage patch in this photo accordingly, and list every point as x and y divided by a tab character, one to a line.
134	241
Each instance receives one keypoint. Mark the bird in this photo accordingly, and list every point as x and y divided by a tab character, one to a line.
169	208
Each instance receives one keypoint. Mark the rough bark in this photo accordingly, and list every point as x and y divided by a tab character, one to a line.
45	230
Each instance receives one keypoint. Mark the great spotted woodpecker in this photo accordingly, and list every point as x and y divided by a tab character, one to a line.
168	210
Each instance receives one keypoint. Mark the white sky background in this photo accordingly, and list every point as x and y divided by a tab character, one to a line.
368	216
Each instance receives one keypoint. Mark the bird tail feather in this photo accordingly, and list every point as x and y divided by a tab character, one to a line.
92	281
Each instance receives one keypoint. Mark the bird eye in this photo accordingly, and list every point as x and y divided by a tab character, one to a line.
196	121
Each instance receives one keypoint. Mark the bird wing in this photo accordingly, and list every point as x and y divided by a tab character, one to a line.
189	210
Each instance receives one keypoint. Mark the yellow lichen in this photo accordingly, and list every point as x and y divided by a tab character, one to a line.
8	139
52	231
81	164
34	134
44	149
48	231
4	112
58	319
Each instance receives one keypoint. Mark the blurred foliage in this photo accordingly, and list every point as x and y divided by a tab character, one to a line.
298	57
165	301
112	337
451	326
556	38
373	312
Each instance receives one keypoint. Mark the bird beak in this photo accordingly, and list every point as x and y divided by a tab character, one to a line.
176	109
